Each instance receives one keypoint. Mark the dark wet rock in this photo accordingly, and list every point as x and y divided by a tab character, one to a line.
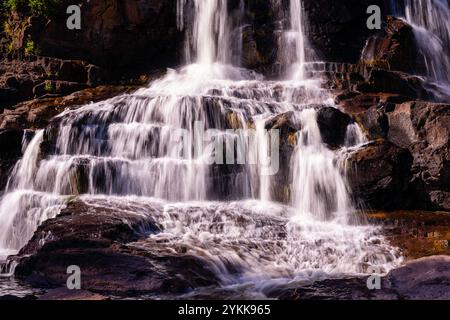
424	129
420	128
394	48
331	23
423	279
375	122
17	298
7	96
11	143
10	153
57	87
332	289
333	126
84	223
72	295
260	36
379	175
125	38
99	239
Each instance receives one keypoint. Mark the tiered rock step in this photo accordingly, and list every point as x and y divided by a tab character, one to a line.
125	145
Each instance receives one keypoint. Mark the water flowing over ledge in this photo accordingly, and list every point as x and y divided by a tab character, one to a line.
430	21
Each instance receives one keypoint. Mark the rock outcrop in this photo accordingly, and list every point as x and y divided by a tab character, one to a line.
379	175
419	131
117	35
102	242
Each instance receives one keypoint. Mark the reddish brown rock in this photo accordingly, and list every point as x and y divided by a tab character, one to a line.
36	114
394	48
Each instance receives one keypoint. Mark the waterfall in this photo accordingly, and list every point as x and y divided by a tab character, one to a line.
297	39
206	41
431	22
152	146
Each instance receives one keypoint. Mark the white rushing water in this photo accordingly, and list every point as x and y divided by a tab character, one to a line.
431	22
122	150
297	40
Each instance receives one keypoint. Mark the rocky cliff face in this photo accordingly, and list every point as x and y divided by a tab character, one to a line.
135	34
115	34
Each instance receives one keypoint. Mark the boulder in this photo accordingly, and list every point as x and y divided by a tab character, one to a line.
421	129
424	129
101	240
375	122
422	279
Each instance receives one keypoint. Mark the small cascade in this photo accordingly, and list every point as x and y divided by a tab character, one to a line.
431	22
152	146
320	189
354	136
297	37
23	208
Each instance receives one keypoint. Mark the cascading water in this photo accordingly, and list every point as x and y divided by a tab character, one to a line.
431	22
297	40
124	149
